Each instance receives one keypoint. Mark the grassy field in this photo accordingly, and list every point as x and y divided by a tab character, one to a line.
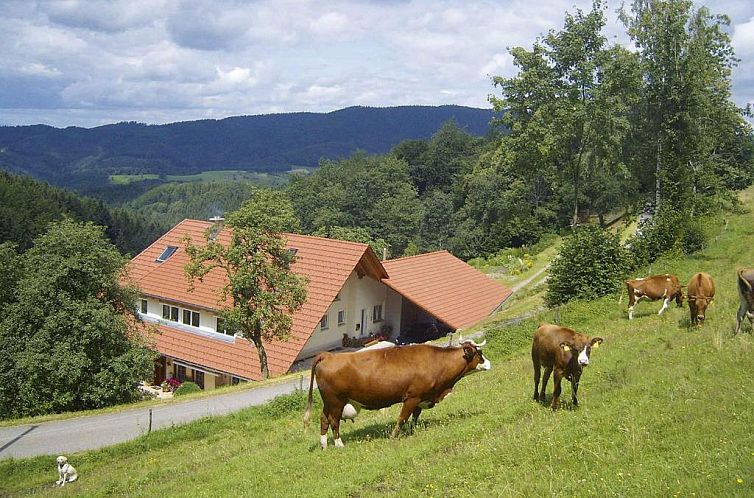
266	179
665	410
127	179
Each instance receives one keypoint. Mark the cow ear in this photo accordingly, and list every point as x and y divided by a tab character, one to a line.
469	352
566	347
596	342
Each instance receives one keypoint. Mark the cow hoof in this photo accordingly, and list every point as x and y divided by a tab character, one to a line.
339	443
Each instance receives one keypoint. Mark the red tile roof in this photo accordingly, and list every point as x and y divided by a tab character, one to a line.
445	287
439	283
327	263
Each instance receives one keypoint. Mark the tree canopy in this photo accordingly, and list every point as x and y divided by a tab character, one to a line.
68	338
257	264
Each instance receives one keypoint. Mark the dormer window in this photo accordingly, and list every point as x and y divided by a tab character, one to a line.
169	251
292	251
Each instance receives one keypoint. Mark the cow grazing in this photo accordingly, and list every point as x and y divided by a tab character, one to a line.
419	376
564	352
746	297
701	291
665	287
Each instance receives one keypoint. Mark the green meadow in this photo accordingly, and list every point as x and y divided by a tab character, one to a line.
664	410
265	179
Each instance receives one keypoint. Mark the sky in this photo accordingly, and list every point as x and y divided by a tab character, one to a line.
89	63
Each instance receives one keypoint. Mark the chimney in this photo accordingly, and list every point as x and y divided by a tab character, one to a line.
217	225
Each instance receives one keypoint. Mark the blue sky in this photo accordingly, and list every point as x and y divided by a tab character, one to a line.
87	63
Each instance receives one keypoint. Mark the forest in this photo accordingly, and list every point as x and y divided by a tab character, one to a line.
85	159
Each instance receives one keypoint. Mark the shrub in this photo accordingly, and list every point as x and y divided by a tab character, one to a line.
285	404
591	263
187	387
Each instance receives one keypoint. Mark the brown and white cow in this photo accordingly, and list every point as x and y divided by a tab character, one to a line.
418	375
746	297
563	352
665	287
701	291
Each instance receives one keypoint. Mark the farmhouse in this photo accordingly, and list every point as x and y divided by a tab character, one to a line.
351	295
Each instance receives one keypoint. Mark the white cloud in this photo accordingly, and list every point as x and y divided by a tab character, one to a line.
157	61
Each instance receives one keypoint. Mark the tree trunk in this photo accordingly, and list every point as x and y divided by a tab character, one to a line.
257	340
658	181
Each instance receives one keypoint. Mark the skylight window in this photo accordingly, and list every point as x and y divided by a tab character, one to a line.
292	251
169	251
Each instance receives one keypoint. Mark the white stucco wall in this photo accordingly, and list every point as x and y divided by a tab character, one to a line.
356	295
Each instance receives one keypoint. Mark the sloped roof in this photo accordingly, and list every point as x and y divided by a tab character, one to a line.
327	263
445	287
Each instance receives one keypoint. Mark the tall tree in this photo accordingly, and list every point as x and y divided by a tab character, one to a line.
68	340
263	289
686	62
552	104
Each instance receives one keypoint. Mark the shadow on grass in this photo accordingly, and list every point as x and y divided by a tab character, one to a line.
380	430
565	404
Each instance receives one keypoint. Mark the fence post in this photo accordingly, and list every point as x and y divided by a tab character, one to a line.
150	421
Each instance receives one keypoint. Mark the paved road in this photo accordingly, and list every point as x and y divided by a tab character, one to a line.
96	431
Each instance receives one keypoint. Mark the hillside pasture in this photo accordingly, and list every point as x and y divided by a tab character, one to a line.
665	409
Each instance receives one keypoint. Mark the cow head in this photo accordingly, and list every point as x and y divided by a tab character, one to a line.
579	356
698	305
472	353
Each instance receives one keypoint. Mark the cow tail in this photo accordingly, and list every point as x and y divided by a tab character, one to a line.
743	285
308	412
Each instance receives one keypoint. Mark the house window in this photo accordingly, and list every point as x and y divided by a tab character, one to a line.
377	313
170	313
199	378
323	323
143	306
169	251
341	317
191	318
234	381
180	373
222	328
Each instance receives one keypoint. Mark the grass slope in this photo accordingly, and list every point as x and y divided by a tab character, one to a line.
664	411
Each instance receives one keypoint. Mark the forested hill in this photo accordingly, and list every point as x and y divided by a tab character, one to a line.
27	206
78	157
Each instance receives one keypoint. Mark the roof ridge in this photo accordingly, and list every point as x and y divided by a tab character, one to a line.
286	234
419	255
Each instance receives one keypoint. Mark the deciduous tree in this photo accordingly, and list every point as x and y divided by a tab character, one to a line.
263	290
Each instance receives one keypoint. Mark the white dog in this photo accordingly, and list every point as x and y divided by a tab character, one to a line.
66	471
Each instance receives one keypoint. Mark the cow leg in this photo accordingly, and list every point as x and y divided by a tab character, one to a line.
335	415
574	392
415	417
740	316
324	426
664	305
408	408
537	375
545	380
556	392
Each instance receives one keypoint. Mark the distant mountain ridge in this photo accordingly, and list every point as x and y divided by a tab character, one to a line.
76	157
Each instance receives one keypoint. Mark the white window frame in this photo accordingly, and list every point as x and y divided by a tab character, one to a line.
170	313
194	318
323	325
143	306
341	317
